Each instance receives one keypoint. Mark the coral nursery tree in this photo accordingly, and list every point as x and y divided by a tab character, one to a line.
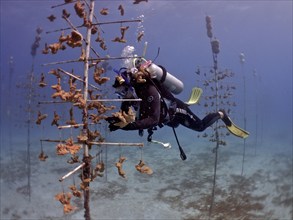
81	94
219	92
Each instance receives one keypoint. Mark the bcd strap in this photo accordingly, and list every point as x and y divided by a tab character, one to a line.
164	73
150	131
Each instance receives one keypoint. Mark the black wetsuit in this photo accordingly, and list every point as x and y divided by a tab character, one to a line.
159	107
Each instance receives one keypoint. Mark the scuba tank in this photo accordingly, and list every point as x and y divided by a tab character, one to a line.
158	72
173	84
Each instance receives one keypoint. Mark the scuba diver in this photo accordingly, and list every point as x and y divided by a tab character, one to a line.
158	106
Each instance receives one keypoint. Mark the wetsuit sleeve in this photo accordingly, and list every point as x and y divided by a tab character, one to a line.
150	108
125	106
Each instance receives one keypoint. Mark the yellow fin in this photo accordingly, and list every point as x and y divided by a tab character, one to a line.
194	96
239	132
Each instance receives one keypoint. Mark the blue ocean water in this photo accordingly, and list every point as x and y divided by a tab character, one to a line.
254	177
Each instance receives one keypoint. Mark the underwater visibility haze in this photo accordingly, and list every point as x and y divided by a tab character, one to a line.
59	159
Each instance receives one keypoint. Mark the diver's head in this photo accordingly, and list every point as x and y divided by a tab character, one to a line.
138	62
141	64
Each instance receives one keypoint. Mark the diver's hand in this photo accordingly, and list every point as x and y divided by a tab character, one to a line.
112	121
125	118
120	119
113	127
115	123
121	124
130	116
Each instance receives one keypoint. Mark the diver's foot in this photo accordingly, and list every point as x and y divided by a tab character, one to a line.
232	127
225	118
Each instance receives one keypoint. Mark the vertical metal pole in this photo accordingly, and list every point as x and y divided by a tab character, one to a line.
86	69
86	158
217	136
9	113
30	97
244	110
256	110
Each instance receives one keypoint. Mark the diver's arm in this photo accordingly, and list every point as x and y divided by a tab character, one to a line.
125	106
142	124
150	110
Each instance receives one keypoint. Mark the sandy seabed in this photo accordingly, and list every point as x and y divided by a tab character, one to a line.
176	190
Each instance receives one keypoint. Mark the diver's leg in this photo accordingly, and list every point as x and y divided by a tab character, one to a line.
225	118
184	116
188	119
210	119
